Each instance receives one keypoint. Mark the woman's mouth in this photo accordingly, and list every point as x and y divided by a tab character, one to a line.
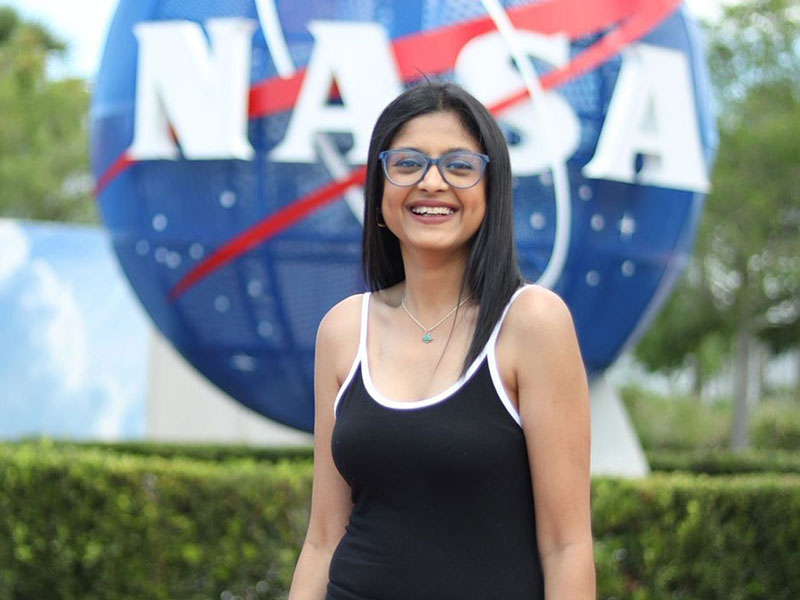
432	210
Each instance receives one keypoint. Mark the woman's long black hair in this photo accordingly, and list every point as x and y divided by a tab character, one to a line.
492	272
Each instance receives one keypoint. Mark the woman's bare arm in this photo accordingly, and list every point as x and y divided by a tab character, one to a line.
336	347
553	397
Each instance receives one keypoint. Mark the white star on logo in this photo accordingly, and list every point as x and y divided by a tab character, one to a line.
627	225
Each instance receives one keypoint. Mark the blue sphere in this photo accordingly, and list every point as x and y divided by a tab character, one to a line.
241	300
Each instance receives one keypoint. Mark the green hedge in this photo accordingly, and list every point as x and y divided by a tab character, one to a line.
195	451
86	524
698	537
724	462
712	462
681	422
776	426
91	524
676	422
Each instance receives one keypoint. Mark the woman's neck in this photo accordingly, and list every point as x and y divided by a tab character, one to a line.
433	284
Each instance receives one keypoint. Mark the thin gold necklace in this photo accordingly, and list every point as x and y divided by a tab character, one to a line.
426	331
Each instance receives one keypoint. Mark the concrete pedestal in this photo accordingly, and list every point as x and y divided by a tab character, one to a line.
183	406
615	446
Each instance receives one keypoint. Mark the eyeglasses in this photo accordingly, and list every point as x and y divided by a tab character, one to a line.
459	169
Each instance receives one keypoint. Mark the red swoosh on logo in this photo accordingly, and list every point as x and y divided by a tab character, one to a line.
436	51
277	221
433	52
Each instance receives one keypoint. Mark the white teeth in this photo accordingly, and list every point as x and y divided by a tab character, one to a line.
432	210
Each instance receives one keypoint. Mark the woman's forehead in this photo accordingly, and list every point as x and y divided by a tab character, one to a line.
435	133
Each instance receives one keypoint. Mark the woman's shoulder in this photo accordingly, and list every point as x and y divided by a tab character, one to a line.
343	320
338	337
537	310
538	324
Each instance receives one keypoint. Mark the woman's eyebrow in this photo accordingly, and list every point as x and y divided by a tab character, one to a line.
459	149
448	151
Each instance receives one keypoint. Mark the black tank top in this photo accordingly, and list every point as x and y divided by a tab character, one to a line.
441	487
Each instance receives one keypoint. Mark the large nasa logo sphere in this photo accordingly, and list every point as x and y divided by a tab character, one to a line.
229	138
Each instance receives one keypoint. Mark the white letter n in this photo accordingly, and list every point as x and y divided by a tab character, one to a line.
202	92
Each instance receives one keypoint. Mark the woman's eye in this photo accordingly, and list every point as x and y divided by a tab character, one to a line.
459	164
408	163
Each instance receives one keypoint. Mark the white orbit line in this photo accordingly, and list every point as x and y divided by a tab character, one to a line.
558	256
326	150
276	42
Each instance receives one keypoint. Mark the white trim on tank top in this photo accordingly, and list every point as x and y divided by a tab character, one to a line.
362	334
488	352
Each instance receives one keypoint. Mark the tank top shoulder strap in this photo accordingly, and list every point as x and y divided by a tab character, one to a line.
362	333
499	325
491	359
360	353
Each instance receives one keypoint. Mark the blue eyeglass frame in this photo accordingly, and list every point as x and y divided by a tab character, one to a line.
429	161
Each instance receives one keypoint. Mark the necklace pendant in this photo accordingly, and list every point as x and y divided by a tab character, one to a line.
427	338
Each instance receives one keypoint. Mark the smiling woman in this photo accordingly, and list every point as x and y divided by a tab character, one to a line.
452	466
443	122
420	205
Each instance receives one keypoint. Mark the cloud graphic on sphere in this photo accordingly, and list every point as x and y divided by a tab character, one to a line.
15	248
43	358
53	326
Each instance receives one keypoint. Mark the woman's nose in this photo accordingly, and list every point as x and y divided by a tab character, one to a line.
433	180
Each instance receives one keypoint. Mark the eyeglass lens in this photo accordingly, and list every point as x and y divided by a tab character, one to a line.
458	169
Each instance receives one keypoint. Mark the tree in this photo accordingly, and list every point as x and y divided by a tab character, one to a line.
689	329
44	164
753	214
753	225
748	244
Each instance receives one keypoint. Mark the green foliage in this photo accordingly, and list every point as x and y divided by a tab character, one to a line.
11	25
745	273
752	225
682	323
93	525
676	422
752	222
685	423
688	326
753	44
725	462
681	536
44	164
193	451
87	523
776	426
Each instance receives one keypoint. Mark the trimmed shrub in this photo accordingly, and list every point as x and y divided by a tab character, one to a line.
724	462
89	524
697	537
195	451
86	524
685	423
776	426
709	461
676	423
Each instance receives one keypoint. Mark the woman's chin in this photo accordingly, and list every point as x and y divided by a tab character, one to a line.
436	243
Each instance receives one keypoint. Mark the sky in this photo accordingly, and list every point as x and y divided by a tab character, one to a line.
83	25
